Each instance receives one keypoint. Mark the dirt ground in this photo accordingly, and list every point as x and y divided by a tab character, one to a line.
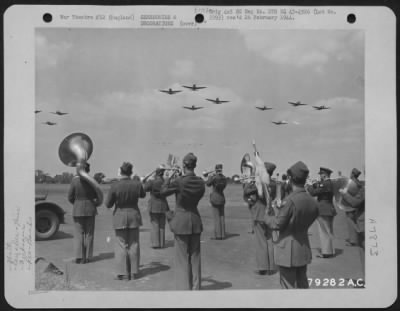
226	264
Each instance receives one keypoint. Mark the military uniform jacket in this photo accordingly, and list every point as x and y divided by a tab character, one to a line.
218	182
257	204
125	194
157	203
188	190
324	193
357	201
82	196
298	212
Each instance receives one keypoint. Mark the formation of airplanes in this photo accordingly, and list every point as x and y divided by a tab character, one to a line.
58	112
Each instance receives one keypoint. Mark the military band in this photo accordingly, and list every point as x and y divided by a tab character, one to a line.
281	217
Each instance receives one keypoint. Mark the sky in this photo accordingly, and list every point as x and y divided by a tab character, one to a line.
108	80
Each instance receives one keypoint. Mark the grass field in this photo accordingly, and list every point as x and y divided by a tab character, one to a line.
227	264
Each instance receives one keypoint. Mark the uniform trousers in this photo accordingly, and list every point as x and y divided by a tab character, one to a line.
264	247
158	229
293	277
187	262
127	251
351	227
219	221
325	225
83	237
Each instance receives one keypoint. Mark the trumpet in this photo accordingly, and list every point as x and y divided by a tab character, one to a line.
206	173
244	179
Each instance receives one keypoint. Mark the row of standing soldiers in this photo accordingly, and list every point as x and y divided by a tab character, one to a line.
291	252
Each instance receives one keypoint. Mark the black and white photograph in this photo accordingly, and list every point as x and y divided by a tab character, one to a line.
199	159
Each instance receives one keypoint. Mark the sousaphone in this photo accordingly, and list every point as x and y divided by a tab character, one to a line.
74	151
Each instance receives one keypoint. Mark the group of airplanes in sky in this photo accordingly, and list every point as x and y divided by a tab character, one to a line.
216	101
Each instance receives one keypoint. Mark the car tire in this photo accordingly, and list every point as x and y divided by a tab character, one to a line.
47	224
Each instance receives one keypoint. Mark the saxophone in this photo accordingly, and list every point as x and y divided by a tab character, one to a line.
74	151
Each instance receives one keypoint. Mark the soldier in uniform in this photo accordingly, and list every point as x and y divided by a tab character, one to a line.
217	200
83	198
263	234
323	190
298	211
124	194
357	201
351	215
186	224
157	207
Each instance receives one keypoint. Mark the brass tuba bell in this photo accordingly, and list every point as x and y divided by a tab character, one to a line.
75	150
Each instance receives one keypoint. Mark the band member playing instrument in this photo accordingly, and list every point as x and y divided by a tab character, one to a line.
263	234
83	197
217	200
157	207
186	224
351	215
323	190
357	201
124	194
298	211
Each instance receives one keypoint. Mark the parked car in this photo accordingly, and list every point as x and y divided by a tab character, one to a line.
48	216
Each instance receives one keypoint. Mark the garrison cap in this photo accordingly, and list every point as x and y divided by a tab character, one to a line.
324	170
355	172
284	177
126	168
218	167
190	160
270	167
298	170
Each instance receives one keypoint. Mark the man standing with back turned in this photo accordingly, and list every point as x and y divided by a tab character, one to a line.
186	224
292	250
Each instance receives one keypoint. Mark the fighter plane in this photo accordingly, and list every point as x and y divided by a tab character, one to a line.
192	108
217	101
37	111
321	107
298	103
279	122
49	123
59	113
170	91
264	108
194	87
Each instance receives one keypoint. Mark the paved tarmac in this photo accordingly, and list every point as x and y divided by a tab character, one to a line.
226	264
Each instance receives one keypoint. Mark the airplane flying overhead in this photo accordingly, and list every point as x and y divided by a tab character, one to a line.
59	113
298	103
279	122
192	108
37	111
217	101
194	87
49	123
170	91
321	107
264	108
